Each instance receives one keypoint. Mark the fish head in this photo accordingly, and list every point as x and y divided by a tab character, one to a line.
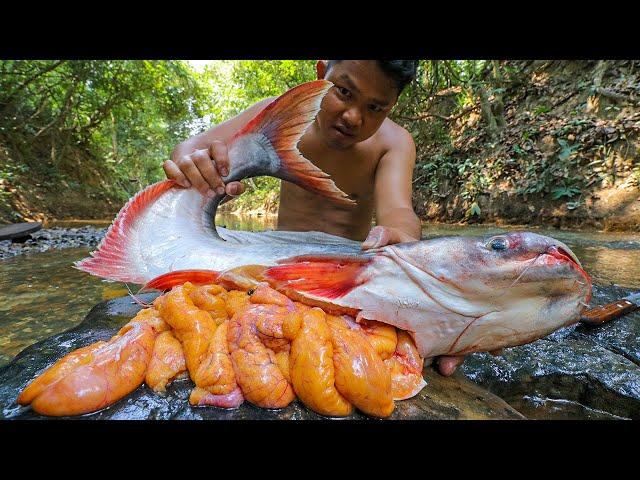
505	290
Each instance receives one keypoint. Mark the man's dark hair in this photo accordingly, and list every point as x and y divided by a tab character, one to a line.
402	72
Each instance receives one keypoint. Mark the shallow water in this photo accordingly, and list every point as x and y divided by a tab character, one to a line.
41	294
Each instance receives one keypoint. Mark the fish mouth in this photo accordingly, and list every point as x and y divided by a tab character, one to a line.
565	256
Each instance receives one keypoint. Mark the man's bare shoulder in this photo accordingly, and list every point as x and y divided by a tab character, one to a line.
395	138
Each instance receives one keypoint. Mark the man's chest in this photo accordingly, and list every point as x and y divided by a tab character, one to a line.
354	175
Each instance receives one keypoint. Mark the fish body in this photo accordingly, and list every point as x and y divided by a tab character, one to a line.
172	233
453	295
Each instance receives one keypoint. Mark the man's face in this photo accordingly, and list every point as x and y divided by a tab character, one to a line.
357	104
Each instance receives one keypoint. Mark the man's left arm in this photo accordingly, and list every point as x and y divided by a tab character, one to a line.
395	218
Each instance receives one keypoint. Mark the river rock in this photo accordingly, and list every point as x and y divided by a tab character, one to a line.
443	398
579	372
53	238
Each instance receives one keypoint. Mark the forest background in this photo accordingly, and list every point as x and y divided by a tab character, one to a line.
553	143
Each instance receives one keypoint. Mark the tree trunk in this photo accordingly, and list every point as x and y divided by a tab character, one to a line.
487	114
114	138
497	106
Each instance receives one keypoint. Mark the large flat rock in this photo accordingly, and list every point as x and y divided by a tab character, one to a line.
19	231
579	372
443	398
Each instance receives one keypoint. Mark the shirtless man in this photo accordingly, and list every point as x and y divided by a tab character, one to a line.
369	157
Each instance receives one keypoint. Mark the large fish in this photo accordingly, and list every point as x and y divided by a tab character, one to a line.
454	295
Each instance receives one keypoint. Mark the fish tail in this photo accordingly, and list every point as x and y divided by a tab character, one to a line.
172	279
111	259
267	145
276	130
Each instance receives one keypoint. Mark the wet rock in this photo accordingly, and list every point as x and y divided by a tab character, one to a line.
577	372
443	398
46	239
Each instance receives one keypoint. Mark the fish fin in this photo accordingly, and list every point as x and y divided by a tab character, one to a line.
283	122
169	280
245	277
110	259
327	278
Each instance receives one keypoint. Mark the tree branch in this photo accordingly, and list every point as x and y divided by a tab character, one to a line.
451	118
63	110
8	100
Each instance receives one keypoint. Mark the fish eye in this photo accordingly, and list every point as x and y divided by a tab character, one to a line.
498	243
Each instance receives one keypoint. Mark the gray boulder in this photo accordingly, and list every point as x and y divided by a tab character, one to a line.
443	398
579	372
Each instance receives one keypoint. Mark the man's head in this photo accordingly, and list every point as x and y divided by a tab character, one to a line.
401	72
363	95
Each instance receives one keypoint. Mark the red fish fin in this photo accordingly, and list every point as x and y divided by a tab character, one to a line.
169	280
242	278
325	278
283	122
110	259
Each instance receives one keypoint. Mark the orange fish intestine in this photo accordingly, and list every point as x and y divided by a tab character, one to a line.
258	346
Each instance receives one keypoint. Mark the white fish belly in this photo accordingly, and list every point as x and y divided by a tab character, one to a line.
172	235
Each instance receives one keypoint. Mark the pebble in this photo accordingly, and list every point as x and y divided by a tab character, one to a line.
50	238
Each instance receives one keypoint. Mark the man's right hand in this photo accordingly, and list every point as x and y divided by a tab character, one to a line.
203	169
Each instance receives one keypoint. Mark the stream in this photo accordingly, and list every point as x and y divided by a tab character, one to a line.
41	294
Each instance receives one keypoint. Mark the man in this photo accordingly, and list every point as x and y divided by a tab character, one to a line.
369	157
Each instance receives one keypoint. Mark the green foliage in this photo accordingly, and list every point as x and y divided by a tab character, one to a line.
518	150
567	150
98	125
541	109
450	143
105	127
564	191
260	192
235	85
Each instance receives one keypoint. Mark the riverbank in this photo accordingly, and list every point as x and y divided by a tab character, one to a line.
547	143
564	153
54	238
73	233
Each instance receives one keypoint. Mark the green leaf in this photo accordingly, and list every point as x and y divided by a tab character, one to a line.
474	209
568	192
518	150
540	109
